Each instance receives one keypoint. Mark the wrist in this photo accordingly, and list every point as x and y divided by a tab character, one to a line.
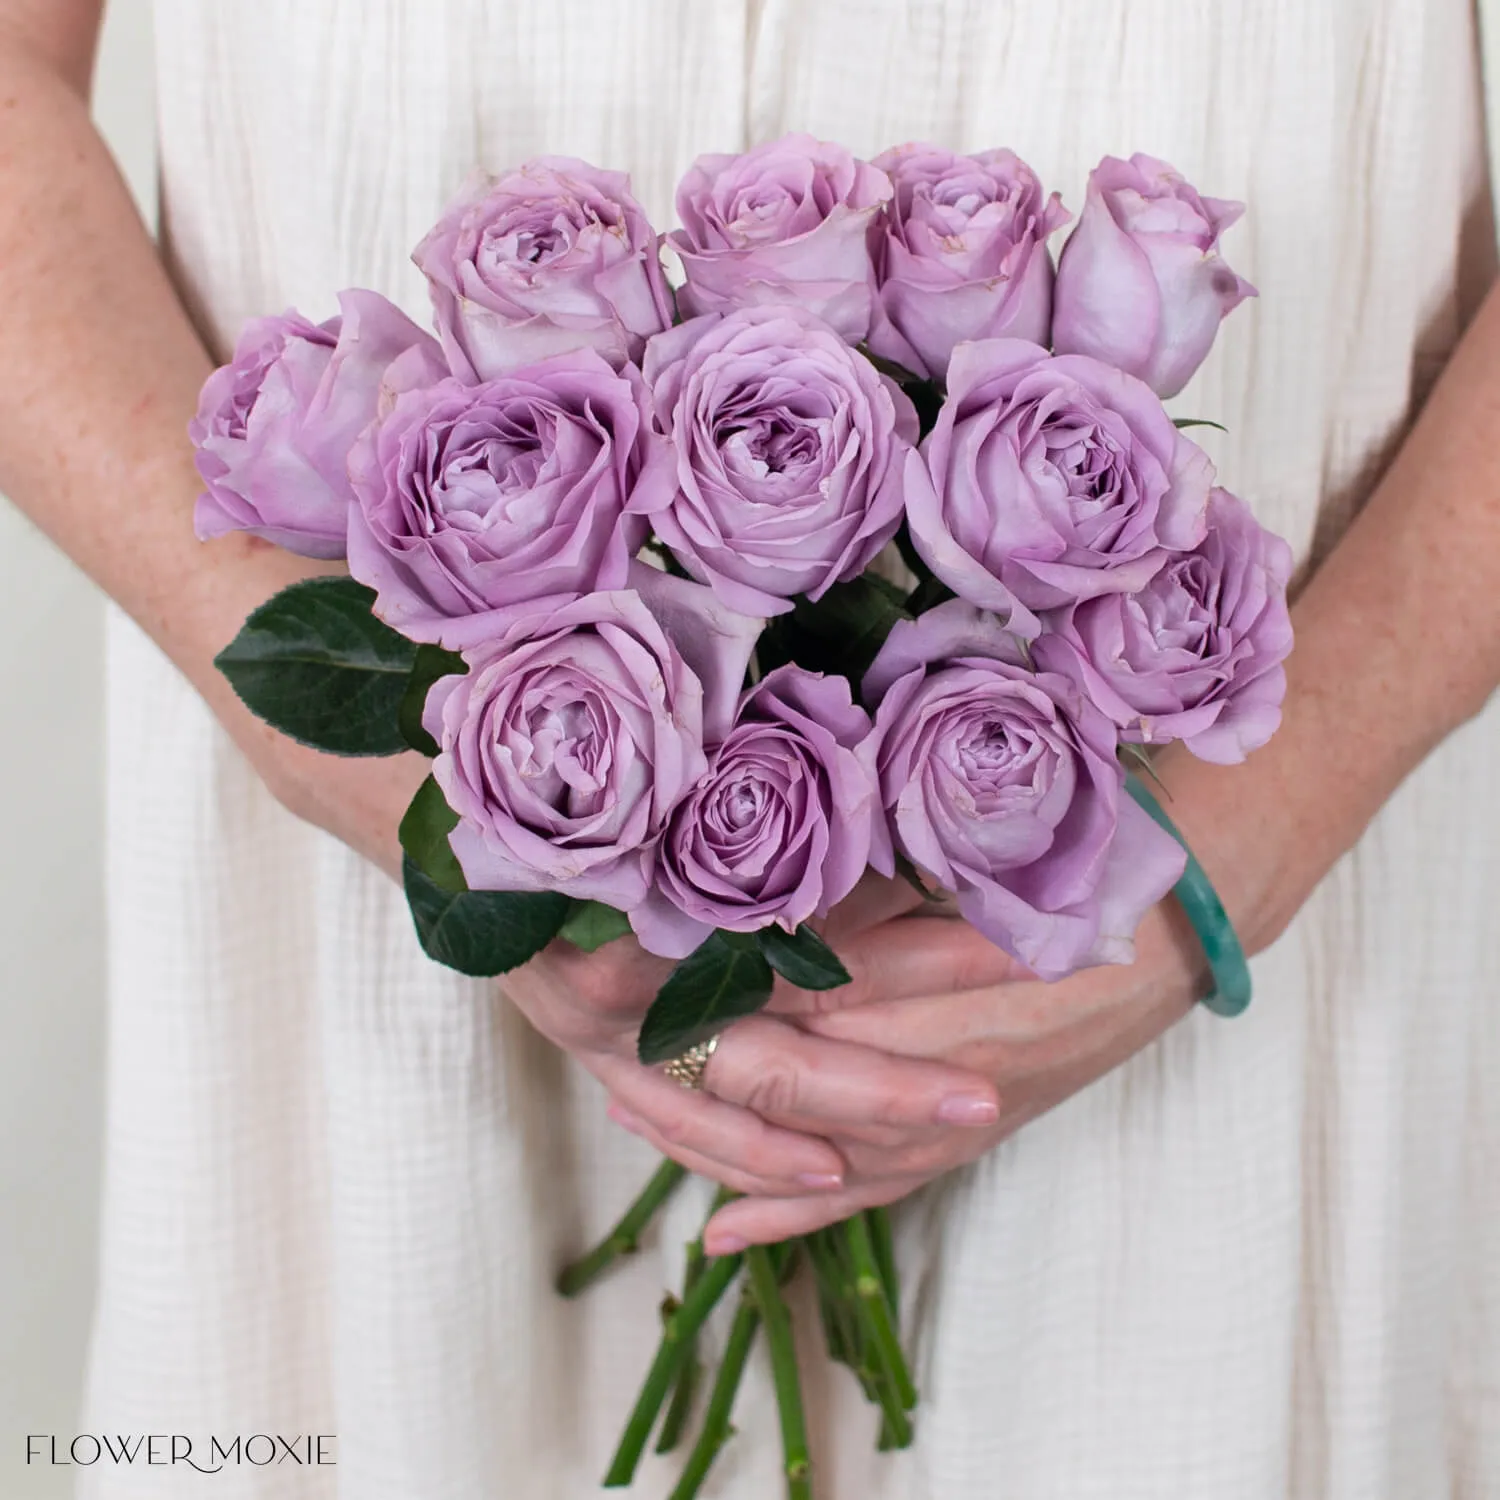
1231	821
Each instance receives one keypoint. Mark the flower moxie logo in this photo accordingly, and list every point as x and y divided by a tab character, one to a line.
260	1450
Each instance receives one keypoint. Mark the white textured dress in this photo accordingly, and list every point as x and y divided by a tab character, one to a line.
1261	1260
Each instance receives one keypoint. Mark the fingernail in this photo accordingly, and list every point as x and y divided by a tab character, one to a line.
724	1244
968	1109
823	1182
624	1119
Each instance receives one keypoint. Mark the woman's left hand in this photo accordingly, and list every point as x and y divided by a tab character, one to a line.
1039	1043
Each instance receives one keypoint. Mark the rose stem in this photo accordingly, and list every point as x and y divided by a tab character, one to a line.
763	1280
686	1382
687	1377
879	1388
676	1336
871	1293
835	1300
879	1380
716	1427
622	1239
885	1257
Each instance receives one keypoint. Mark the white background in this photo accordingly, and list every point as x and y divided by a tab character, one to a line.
51	912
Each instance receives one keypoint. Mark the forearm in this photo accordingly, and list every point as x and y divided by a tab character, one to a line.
99	373
1398	643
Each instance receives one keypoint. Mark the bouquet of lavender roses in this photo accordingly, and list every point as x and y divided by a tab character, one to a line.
867	545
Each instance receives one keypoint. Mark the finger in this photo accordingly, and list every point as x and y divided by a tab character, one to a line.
993	1022
768	1221
734	1139
705	1166
616	984
782	1072
874	900
907	957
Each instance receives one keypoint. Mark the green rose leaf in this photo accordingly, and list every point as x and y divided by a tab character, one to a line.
424	836
481	933
316	664
432	663
723	979
841	633
592	924
802	958
1181	422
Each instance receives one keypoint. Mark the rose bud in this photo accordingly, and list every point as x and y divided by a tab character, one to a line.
960	253
779	829
1002	784
785	223
1196	655
577	731
275	425
475	499
554	256
1049	480
791	452
1140	283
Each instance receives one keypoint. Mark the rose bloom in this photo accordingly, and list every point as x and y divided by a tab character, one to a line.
1002	784
960	254
780	828
1050	480
1197	654
791	452
275	425
578	730
476	499
1141	284
785	223
554	256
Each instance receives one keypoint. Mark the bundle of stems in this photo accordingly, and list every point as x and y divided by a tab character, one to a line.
854	1270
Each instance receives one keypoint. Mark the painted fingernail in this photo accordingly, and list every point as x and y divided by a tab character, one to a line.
968	1109
823	1182
724	1244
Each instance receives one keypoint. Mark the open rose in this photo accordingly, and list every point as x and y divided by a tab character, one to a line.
1051	480
1196	655
1141	284
275	425
791	452
785	223
1003	785
779	829
554	256
476	499
960	253
578	730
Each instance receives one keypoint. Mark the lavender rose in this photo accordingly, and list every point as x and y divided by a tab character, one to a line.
785	223
781	827
1050	480
554	256
1196	655
960	253
1141	284
577	732
474	499
1002	784
274	426
791	452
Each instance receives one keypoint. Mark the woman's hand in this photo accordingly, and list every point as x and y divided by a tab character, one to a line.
1037	1043
781	1105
